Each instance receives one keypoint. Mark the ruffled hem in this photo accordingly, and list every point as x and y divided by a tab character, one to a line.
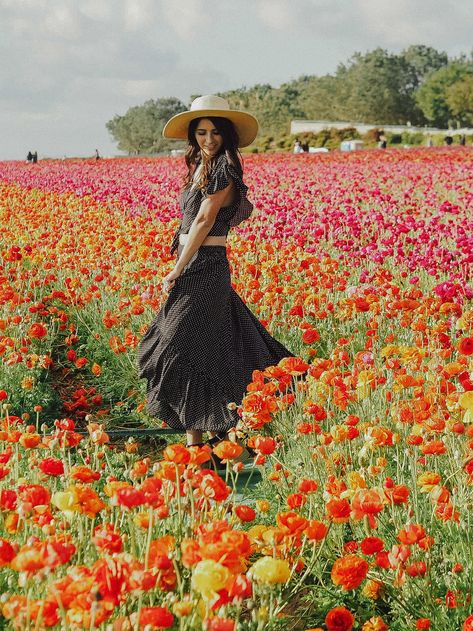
179	392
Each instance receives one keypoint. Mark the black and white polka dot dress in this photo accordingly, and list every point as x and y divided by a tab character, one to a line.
199	353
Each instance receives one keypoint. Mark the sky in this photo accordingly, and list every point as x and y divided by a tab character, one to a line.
68	66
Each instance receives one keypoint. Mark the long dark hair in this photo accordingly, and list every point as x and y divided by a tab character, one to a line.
194	156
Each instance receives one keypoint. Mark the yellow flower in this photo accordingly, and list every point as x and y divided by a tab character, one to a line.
66	501
27	383
209	577
263	506
269	570
465	400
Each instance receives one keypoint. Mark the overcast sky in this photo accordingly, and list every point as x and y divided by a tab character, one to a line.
68	66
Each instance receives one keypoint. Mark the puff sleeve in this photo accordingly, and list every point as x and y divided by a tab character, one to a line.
220	178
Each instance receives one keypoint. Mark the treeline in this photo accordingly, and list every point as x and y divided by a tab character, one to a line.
420	86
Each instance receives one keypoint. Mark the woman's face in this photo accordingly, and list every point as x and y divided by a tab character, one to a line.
208	137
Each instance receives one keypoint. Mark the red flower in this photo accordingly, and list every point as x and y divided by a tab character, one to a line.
107	538
219	624
156	618
423	623
37	330
245	513
465	346
310	336
308	486
296	500
129	497
52	466
7	499
339	619
468	624
7	552
372	545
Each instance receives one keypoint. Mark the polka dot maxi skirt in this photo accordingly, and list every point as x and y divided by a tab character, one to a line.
200	350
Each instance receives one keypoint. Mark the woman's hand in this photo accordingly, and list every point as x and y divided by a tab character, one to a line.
170	279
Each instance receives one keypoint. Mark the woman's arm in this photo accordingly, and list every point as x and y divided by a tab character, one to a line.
199	230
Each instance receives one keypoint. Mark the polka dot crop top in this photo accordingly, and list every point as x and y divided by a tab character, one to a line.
191	199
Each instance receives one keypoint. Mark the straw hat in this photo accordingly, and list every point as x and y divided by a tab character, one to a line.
245	124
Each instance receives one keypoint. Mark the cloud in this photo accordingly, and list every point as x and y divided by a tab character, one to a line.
69	65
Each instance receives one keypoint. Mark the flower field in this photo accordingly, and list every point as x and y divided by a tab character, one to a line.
362	265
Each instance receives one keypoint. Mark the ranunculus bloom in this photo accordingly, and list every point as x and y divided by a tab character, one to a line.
339	619
228	450
219	624
209	577
310	336
270	570
156	618
244	513
465	346
85	474
376	623
316	530
349	571
372	545
37	330
52	466
7	552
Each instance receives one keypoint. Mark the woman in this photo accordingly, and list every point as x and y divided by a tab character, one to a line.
202	347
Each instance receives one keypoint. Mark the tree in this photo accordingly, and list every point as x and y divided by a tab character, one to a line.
139	130
423	60
377	88
432	95
460	100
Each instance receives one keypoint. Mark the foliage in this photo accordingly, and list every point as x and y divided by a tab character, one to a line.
139	130
418	85
460	100
435	96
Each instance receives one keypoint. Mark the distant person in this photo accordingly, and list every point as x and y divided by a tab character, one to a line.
383	143
448	140
463	140
430	142
305	147
298	147
35	157
29	157
97	154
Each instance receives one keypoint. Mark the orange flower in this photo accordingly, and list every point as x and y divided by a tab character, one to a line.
349	571
339	619
315	530
83	474
338	510
291	522
294	365
177	453
376	623
227	450
434	447
37	330
29	441
366	502
411	534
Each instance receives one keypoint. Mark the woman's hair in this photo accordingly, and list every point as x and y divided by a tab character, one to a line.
194	156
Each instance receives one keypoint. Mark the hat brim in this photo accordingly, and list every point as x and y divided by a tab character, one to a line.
245	124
